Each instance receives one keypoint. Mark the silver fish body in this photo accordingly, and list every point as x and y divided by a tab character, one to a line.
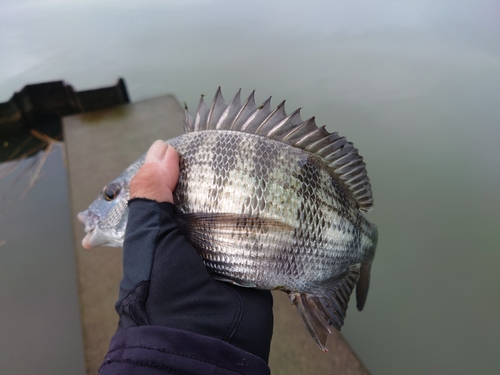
269	201
266	214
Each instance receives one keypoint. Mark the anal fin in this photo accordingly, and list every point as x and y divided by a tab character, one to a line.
321	312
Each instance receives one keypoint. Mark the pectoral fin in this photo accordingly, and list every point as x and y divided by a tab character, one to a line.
229	221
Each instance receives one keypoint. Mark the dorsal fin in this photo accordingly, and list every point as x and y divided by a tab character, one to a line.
339	155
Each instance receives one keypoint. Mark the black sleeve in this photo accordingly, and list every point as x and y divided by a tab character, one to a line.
154	350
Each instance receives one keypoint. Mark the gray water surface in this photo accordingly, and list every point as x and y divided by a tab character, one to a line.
39	314
415	86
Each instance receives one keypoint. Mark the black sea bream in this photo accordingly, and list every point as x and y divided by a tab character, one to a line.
270	202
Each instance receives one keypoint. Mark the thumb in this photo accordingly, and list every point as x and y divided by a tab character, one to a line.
156	152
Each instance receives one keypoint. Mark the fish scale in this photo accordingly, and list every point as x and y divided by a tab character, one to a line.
269	201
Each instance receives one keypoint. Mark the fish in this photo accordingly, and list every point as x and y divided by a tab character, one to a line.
269	201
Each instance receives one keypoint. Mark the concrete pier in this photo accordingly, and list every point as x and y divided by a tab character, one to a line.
99	146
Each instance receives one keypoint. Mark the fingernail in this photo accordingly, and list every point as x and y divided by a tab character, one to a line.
156	151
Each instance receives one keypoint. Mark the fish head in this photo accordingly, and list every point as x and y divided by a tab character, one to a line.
106	218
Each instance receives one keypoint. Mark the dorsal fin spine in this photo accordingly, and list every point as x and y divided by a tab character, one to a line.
200	117
288	119
251	122
217	106
307	136
299	128
188	120
250	102
328	151
269	117
320	144
226	121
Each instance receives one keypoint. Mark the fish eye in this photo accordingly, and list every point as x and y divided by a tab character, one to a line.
111	191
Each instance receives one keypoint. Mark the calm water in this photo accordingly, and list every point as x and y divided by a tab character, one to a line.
39	317
415	86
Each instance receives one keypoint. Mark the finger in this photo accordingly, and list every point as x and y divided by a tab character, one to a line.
156	152
171	164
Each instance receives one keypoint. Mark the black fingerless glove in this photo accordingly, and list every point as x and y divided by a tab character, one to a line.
165	283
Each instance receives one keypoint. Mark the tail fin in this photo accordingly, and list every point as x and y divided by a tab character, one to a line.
320	312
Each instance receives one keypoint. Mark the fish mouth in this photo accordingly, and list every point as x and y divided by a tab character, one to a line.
90	220
95	235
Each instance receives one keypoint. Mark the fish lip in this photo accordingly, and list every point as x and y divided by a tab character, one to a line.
89	219
95	236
